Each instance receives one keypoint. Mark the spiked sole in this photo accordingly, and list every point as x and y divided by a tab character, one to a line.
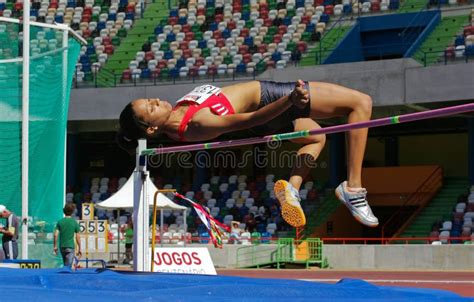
292	214
354	214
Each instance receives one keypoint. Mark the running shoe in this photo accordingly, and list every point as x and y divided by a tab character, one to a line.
289	199
356	202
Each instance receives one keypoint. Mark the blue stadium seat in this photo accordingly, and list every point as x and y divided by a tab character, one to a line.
226	33
287	21
171	37
33	12
180	62
266	237
324	18
174	72
276	56
241	68
84	59
158	30
182	20
2	6
204	237
59	19
213	26
173	13
248	41
146	73
245	16
347	9
299	3
168	55
202	44
310	27
112	17
469	51
210	3
90	49
130	16
101	25
71	3
459	41
394	4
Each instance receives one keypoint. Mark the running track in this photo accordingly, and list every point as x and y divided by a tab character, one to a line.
460	282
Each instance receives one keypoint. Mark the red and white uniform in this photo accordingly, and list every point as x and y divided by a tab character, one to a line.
205	96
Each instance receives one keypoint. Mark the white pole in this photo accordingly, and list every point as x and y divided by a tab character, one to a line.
24	128
65	61
141	261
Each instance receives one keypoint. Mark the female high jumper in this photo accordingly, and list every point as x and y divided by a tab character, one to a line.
265	108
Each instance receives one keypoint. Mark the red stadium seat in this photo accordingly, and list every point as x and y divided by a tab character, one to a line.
130	8
264	14
186	28
201	11
193	71
237	7
199	62
268	22
375	6
187	53
301	46
109	49
86	18
220	42
53	5
218	18
183	45
329	9
263	6
243	49
149	55
126	75
173	20
106	41
188	36
306	19
231	25
162	64
18	6
212	70
87	10
270	64
318	2
156	75
217	34
282	29
244	32
86	33
247	57
468	30
277	38
262	48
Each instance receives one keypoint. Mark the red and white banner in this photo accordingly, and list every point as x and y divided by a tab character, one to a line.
183	260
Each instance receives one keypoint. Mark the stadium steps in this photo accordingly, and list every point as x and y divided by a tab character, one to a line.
439	209
410	6
142	30
442	36
327	44
321	214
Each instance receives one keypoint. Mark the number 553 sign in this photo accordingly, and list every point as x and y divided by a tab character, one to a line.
93	235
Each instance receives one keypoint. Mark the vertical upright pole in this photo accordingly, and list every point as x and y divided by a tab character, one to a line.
470	150
24	128
140	212
63	99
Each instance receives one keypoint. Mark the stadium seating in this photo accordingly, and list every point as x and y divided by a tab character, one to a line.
235	198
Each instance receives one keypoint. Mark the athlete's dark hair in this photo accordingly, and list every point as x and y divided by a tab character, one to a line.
131	129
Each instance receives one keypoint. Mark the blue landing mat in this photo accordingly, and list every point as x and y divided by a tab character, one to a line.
90	285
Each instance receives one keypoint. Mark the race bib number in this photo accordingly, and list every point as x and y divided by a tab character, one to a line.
200	94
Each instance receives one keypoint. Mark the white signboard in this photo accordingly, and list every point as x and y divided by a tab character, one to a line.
183	261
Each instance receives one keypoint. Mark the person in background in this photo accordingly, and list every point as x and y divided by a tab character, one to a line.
10	233
235	232
127	230
67	229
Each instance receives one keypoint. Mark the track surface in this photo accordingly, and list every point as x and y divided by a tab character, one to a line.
460	282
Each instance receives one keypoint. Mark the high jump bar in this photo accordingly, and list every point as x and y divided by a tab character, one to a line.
397	119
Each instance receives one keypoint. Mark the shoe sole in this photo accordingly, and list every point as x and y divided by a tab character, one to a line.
355	214
293	215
